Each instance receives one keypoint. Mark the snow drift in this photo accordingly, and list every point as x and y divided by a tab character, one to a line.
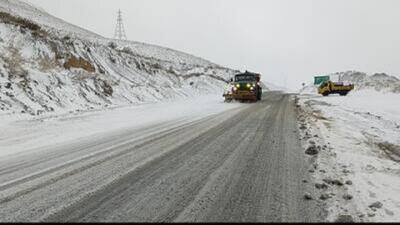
48	65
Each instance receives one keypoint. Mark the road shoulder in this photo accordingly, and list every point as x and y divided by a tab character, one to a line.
357	179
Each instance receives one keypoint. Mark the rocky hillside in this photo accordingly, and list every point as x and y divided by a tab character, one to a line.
48	65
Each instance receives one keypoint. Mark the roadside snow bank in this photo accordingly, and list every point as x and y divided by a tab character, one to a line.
386	105
357	142
21	135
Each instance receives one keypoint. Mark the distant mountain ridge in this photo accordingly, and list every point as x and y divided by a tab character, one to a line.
381	82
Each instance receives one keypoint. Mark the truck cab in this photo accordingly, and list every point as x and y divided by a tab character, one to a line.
246	86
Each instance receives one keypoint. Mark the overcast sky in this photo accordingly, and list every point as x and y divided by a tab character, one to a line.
288	41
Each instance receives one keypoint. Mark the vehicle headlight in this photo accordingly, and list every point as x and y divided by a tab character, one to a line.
237	85
254	85
252	88
235	89
248	85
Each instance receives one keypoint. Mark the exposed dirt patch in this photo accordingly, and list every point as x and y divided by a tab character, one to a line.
315	102
17	21
344	219
105	87
47	64
13	64
318	115
391	150
328	125
312	150
23	23
79	63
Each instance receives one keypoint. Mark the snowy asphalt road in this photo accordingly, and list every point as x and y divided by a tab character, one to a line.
243	165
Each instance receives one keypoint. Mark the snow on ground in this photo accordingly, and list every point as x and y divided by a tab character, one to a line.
357	139
23	134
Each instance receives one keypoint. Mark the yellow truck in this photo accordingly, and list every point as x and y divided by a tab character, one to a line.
245	87
330	87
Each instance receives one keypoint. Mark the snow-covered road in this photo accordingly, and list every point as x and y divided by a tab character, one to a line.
25	134
196	162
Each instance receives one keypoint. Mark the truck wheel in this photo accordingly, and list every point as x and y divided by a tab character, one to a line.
259	95
325	94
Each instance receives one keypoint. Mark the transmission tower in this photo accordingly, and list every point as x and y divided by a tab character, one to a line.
120	30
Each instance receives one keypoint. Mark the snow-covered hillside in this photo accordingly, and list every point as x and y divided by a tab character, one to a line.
48	65
380	82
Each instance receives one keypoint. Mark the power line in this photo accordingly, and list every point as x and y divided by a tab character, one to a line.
120	30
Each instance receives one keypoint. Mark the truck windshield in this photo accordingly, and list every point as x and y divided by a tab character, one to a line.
245	78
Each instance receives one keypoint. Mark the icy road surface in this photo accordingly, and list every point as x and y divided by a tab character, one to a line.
234	163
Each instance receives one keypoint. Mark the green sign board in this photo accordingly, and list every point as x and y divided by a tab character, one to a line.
321	79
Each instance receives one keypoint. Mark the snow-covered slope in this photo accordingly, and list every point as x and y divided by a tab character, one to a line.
48	65
29	11
379	82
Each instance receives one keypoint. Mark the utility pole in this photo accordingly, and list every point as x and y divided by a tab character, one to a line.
120	30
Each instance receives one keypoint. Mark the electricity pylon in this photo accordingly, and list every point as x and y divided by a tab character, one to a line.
120	30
